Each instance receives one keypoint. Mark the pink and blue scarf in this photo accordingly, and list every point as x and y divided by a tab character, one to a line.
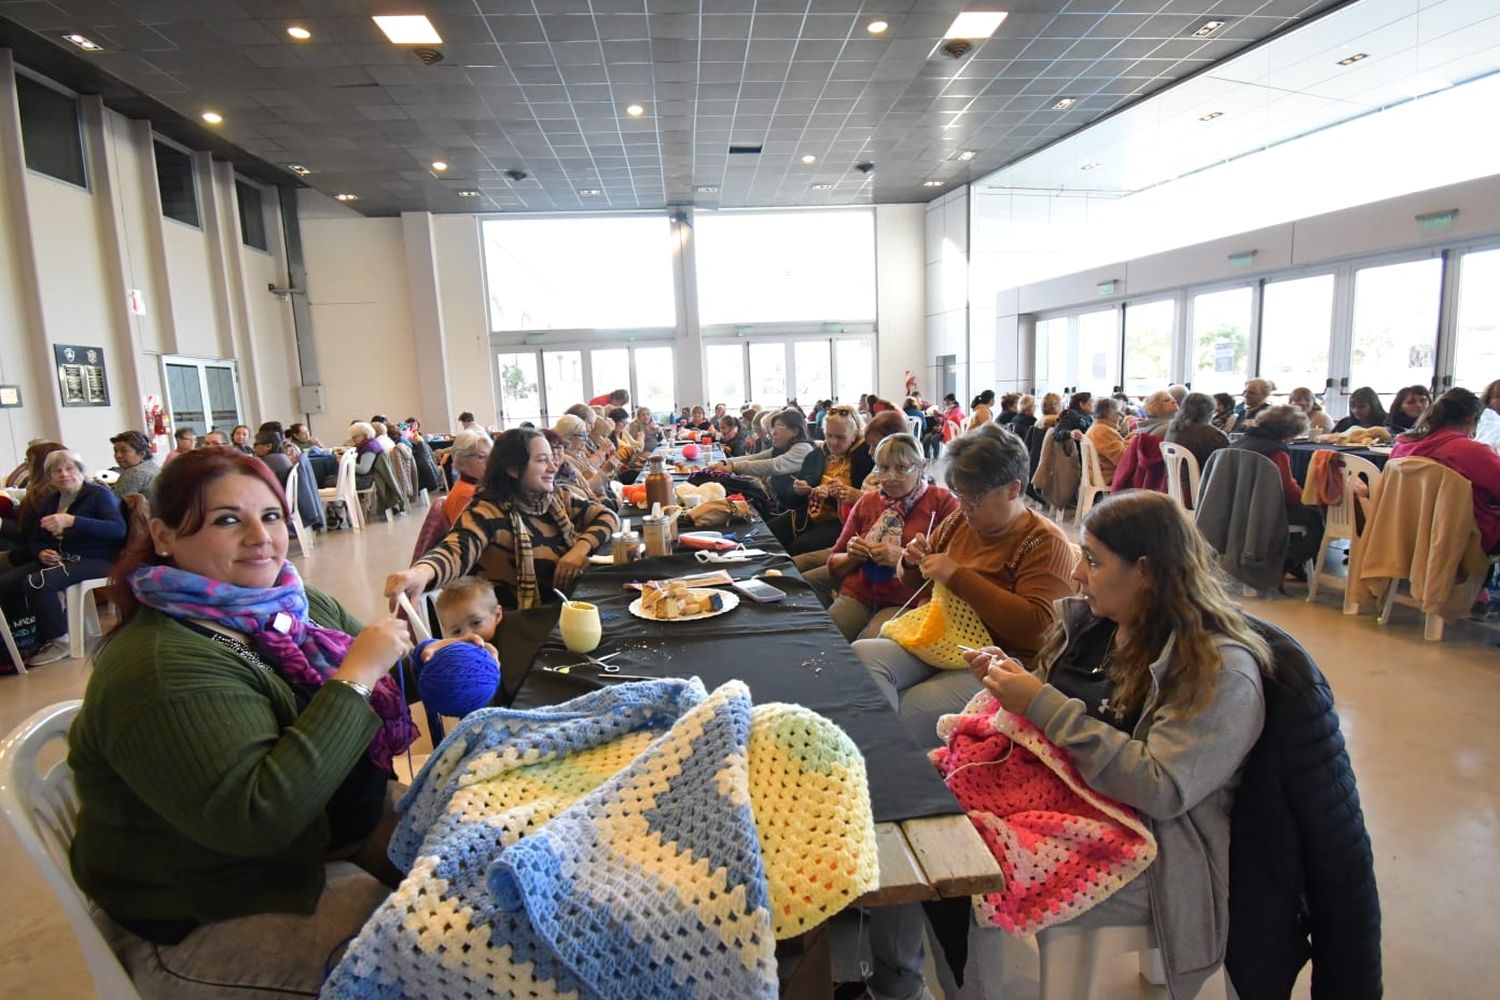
305	654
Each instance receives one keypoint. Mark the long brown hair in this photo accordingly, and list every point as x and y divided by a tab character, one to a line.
38	485
1184	601
180	491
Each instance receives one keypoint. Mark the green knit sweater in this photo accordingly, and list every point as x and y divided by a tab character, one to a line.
203	780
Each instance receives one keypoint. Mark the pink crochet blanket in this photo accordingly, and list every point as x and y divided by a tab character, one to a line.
1063	847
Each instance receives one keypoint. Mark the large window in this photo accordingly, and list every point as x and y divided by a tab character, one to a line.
1099	351
50	132
579	273
1052	354
655	370
562	373
855	361
768	373
252	215
1148	346
1221	340
1476	348
724	369
814	371
520	395
201	394
1296	321
611	370
1396	324
771	267
174	179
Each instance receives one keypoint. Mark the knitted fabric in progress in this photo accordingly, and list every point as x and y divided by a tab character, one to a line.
1063	847
646	840
935	632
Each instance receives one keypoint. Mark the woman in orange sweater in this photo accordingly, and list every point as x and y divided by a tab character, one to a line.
1006	561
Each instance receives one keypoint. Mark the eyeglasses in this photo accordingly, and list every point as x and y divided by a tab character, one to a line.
894	471
969	501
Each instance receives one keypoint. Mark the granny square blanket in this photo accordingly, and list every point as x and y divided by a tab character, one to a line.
647	840
1062	846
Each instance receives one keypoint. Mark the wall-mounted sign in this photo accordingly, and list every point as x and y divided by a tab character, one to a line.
10	397
137	302
80	375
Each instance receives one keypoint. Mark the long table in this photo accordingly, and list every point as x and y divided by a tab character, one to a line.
1303	451
788	651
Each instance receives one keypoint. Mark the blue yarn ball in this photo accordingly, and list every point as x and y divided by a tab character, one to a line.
459	679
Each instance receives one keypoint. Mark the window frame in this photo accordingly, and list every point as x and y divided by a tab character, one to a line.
83	139
156	138
202	365
265	221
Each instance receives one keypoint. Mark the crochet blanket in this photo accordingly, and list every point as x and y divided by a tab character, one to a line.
1063	847
645	840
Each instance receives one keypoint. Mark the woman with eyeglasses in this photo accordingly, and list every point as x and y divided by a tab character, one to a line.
577	458
865	561
1003	559
74	534
521	532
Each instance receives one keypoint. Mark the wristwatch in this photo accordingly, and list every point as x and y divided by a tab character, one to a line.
359	688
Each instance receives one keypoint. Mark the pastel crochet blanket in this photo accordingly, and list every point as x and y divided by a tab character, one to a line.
1063	847
646	840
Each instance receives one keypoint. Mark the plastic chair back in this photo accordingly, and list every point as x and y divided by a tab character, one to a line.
1179	459
1093	483
43	810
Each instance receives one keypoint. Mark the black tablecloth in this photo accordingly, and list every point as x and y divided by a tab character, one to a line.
1302	454
788	652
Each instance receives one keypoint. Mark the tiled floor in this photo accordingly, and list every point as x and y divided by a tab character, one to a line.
1422	720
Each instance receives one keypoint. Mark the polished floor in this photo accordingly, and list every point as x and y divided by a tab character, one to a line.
1422	720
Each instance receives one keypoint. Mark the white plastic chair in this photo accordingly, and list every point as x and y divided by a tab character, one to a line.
43	810
1339	522
83	614
1071	957
915	425
304	534
1179	458
1093	484
344	489
10	644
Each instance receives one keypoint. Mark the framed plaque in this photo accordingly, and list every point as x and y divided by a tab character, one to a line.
10	396
81	378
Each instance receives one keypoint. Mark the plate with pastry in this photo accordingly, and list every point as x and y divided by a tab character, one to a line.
675	601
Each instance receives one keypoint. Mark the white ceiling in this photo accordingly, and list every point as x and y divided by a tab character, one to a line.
1289	86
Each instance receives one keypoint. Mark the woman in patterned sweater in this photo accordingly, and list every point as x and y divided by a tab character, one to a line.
522	532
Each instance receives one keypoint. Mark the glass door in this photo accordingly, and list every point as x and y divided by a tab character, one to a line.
1098	352
1221	341
1396	325
185	398
1148	346
562	378
203	395
724	377
812	371
1296	321
1476	349
610	370
854	364
655	371
768	374
1052	354
520	396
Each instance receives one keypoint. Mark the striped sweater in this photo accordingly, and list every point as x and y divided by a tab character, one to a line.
481	542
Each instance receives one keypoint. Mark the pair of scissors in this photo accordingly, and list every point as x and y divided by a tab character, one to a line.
607	668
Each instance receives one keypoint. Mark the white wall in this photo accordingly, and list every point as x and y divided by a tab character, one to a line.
901	297
947	306
68	255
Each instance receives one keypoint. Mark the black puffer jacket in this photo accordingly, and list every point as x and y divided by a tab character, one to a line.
1300	864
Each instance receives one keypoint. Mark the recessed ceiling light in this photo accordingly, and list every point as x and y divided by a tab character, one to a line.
1207	28
877	27
298	169
932	184
1064	102
212	117
822	187
588	192
439	165
975	24
1088	166
809	158
344	196
1211	116
635	110
470	193
408	29
298	32
1351	60
84	42
707	189
964	155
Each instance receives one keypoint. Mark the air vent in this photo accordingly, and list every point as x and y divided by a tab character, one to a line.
744	150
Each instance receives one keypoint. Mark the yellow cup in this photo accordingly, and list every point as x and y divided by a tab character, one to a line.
580	627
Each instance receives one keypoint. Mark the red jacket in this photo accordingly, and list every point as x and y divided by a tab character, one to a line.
1478	463
1141	467
934	507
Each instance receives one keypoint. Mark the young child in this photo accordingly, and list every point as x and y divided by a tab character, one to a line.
467	605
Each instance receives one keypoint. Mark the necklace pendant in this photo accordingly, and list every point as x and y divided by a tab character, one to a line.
282	622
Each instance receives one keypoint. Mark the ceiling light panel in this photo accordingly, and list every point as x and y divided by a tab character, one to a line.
408	29
975	24
298	32
83	42
1208	28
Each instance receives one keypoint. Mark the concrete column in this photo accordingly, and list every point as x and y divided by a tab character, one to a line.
689	341
426	315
